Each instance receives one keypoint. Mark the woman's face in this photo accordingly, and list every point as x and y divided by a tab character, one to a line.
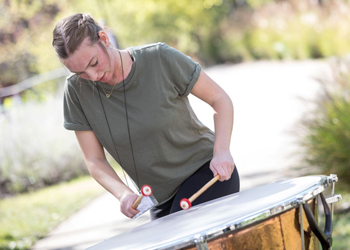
92	62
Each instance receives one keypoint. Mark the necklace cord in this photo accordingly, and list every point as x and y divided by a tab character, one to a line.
110	132
109	128
127	121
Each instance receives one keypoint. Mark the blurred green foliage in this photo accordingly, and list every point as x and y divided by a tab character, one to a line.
325	133
38	151
341	231
191	27
23	26
211	31
26	218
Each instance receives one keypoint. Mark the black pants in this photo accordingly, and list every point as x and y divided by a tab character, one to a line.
192	185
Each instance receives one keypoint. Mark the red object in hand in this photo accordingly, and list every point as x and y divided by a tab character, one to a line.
146	190
185	204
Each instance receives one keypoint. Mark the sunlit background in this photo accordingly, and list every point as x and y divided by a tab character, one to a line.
43	179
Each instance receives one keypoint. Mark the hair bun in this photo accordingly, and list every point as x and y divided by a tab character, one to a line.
71	31
84	20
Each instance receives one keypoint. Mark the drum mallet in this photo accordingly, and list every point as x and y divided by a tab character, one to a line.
187	203
146	190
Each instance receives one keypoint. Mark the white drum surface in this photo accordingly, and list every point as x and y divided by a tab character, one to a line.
208	218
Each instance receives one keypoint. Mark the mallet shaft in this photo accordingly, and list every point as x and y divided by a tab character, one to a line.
205	187
137	202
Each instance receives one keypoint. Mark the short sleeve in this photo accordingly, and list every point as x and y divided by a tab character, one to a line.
181	69
74	117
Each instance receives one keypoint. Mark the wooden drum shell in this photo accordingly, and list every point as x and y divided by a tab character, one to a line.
280	232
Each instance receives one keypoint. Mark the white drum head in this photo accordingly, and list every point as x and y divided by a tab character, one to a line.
212	218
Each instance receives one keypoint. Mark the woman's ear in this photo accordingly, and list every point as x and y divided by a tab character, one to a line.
104	39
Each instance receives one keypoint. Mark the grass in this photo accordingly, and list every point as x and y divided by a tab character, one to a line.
341	221
341	232
26	218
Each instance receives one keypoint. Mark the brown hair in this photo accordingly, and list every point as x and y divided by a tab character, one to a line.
71	31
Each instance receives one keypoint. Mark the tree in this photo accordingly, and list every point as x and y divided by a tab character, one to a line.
21	29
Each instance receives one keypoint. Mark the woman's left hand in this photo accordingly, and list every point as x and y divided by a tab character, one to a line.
222	164
210	92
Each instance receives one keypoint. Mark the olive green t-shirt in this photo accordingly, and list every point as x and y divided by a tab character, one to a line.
167	142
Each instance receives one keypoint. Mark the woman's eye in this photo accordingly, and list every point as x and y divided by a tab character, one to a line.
95	64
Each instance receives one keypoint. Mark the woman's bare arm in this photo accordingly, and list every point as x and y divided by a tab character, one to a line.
210	92
103	173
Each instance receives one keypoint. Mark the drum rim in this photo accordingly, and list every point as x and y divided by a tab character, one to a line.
199	238
262	214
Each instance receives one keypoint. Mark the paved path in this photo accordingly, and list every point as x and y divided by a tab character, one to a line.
266	97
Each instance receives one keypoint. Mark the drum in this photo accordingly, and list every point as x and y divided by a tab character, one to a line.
281	215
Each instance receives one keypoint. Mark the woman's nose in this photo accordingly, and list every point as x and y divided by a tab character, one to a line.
92	74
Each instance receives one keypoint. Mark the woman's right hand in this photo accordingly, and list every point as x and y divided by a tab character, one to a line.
103	173
126	205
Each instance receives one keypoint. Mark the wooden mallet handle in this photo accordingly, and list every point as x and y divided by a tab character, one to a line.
205	187
146	190
187	203
137	202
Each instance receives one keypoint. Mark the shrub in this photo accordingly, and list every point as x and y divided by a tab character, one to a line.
326	129
35	149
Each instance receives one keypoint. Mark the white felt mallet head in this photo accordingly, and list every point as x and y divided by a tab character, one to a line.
185	204
146	190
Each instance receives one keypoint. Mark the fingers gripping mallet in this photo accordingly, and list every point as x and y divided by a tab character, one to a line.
146	190
187	203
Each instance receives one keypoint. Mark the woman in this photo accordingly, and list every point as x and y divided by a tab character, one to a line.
134	103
